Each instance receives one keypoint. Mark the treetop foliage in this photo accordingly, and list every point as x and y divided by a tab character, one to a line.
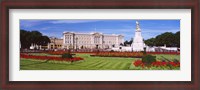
168	38
32	37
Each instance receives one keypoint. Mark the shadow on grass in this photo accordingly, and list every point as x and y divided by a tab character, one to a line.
165	59
36	63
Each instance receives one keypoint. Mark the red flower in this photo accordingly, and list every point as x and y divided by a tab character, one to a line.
139	63
49	58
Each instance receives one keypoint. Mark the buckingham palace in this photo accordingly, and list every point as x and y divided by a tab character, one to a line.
95	40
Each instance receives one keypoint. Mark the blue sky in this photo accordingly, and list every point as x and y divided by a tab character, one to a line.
149	28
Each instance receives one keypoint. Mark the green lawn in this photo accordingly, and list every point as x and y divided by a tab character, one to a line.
89	63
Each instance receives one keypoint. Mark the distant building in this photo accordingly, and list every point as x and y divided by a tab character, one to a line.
91	40
55	43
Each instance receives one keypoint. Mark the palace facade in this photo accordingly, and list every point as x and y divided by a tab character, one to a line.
55	43
91	40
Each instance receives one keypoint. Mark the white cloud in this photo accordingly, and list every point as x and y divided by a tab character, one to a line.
72	21
45	28
30	23
159	30
54	34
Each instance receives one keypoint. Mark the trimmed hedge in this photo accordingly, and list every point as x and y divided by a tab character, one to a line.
67	55
148	59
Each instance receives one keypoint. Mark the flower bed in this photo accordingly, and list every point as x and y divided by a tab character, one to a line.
62	52
157	64
114	54
50	58
130	54
171	53
119	54
56	52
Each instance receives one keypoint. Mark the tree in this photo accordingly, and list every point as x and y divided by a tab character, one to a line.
121	44
128	42
44	40
177	39
24	39
29	37
125	43
36	37
150	42
131	41
168	38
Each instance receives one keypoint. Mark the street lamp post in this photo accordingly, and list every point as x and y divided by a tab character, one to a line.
144	51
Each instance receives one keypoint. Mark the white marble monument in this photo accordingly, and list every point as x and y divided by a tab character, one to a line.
138	43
